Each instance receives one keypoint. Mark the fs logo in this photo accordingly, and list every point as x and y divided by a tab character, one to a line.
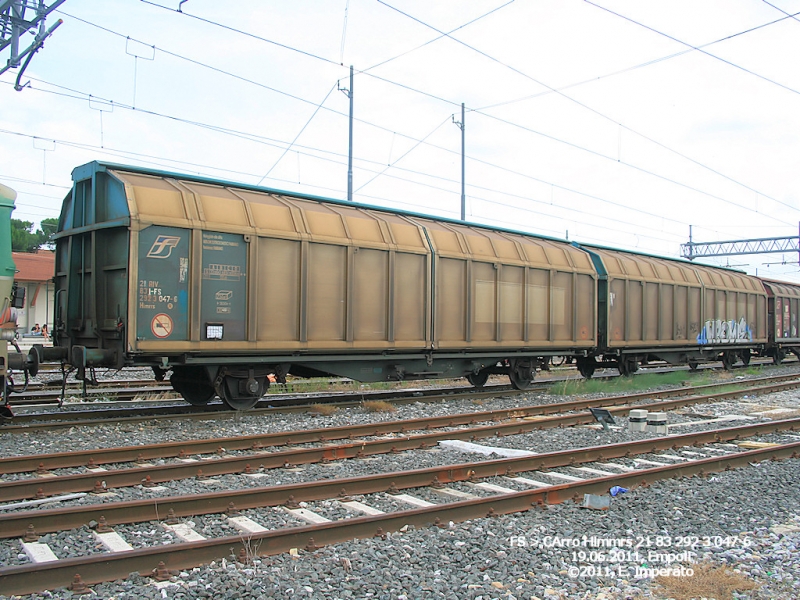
163	246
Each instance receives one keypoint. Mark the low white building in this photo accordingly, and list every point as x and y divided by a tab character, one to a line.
35	272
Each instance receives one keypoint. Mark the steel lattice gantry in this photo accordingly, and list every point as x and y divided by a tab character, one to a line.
21	17
692	250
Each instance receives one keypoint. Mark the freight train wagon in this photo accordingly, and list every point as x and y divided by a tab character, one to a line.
225	284
654	308
784	308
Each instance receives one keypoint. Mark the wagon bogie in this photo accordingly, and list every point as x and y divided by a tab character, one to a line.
627	365
587	365
521	373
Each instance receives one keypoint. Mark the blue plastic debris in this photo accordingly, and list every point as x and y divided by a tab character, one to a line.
617	490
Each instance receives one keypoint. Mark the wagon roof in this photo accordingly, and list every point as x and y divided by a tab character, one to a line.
87	170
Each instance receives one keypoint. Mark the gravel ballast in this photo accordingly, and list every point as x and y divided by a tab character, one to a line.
747	519
518	556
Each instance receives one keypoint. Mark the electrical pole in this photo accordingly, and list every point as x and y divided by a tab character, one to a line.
18	17
350	152
349	93
463	176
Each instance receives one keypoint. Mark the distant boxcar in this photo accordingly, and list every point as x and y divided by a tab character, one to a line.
784	308
659	308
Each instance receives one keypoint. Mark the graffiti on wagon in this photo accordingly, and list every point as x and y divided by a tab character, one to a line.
719	331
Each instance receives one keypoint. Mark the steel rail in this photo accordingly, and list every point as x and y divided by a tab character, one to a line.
32	398
123	391
129	388
37	386
98	456
217	410
91	481
58	519
97	568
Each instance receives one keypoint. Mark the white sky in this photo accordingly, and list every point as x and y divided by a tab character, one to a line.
645	137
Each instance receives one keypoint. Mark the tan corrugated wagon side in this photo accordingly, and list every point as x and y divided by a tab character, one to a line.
224	285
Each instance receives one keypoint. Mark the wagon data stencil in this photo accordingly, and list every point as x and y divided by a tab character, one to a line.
163	287
223	300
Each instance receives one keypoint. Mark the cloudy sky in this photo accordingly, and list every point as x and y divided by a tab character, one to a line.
613	122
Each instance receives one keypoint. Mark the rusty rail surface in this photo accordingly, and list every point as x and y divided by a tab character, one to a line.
217	410
19	464
87	482
105	567
15	524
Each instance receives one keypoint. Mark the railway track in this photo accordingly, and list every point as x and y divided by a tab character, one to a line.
38	394
115	392
616	404
121	390
218	410
55	420
49	392
263	452
385	501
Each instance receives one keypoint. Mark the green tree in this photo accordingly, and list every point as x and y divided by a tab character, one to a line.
49	227
25	239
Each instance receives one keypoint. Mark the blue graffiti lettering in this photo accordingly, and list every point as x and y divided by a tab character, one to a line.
719	331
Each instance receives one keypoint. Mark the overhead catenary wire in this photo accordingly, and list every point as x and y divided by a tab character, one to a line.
299	133
486	162
448	102
443	35
778	8
243	32
646	63
586	106
160	161
698	48
641	169
553	138
201	169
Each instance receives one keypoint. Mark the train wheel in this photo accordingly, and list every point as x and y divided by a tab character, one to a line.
745	356
778	357
627	366
193	385
478	379
240	402
693	365
587	366
728	360
243	394
197	394
521	373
